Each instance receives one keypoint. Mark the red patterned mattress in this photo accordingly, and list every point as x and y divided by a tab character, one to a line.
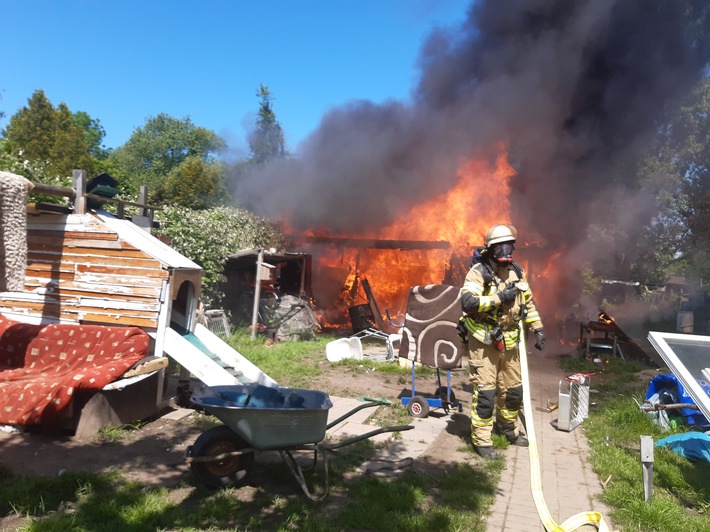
42	366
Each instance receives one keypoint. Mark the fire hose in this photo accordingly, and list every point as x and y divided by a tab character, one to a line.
577	520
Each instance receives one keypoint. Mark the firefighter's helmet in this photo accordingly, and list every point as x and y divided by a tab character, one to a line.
500	233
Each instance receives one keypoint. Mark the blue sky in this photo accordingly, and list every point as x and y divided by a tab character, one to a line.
123	61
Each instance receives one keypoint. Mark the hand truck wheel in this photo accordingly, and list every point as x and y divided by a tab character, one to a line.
418	407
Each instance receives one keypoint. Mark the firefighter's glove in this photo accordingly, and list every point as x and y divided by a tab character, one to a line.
540	339
507	296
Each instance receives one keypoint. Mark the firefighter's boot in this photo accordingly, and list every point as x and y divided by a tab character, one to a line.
487	452
521	440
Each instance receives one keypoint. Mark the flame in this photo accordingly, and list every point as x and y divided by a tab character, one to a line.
549	266
459	216
605	318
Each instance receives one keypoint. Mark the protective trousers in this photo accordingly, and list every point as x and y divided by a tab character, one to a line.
497	385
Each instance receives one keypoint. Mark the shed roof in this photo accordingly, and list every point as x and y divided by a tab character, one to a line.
147	243
251	255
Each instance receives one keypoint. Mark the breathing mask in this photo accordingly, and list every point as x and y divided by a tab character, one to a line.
503	252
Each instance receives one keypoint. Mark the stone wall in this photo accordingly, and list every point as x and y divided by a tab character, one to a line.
13	231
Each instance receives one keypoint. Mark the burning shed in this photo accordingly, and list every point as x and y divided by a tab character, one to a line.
349	270
604	337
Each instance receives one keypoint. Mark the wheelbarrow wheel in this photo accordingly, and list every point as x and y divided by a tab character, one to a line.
447	397
418	407
228	472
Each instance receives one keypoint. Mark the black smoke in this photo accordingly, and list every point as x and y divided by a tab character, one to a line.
576	89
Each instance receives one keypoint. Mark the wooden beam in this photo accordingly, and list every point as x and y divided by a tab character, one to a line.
257	294
102	251
375	243
52	190
76	235
71	258
373	304
57	312
90	268
113	280
69	243
67	284
79	179
99	305
79	196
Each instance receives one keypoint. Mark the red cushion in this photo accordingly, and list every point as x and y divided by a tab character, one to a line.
58	360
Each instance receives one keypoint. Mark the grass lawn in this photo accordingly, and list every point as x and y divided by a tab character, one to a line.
681	489
416	501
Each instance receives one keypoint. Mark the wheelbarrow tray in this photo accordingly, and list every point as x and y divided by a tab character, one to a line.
268	417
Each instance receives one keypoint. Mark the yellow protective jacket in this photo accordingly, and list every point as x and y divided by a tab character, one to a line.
482	307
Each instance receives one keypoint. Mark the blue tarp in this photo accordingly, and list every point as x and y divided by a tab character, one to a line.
667	389
695	446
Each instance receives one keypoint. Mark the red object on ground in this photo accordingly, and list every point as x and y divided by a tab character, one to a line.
42	366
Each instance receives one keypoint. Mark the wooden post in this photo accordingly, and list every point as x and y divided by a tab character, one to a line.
79	183
616	350
302	284
143	219
143	200
647	465
257	294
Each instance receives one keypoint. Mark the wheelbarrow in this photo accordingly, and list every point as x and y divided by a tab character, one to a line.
260	418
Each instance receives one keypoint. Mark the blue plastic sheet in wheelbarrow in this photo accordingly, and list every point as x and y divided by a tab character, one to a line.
268	417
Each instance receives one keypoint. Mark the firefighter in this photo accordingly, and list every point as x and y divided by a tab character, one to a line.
495	297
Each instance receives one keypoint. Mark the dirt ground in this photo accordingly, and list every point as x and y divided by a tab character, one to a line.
154	453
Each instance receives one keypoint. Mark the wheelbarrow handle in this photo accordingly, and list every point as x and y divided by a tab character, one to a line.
370	403
350	441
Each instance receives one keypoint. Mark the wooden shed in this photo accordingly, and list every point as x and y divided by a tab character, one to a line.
94	268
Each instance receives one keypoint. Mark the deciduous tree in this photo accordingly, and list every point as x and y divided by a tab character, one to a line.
161	146
679	172
94	132
195	184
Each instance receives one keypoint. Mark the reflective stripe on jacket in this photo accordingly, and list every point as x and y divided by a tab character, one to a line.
483	310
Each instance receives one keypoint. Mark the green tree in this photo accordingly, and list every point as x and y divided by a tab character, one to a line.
47	138
267	140
679	172
159	147
195	184
94	132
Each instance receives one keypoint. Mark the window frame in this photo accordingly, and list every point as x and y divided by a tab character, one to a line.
661	341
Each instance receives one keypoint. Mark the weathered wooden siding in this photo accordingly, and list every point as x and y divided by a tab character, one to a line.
80	270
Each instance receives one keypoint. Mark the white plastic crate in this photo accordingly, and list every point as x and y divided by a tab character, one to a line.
218	323
573	401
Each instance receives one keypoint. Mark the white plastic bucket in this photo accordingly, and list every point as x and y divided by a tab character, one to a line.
343	348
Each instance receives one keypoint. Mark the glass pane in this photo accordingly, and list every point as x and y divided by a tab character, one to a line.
695	356
688	358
